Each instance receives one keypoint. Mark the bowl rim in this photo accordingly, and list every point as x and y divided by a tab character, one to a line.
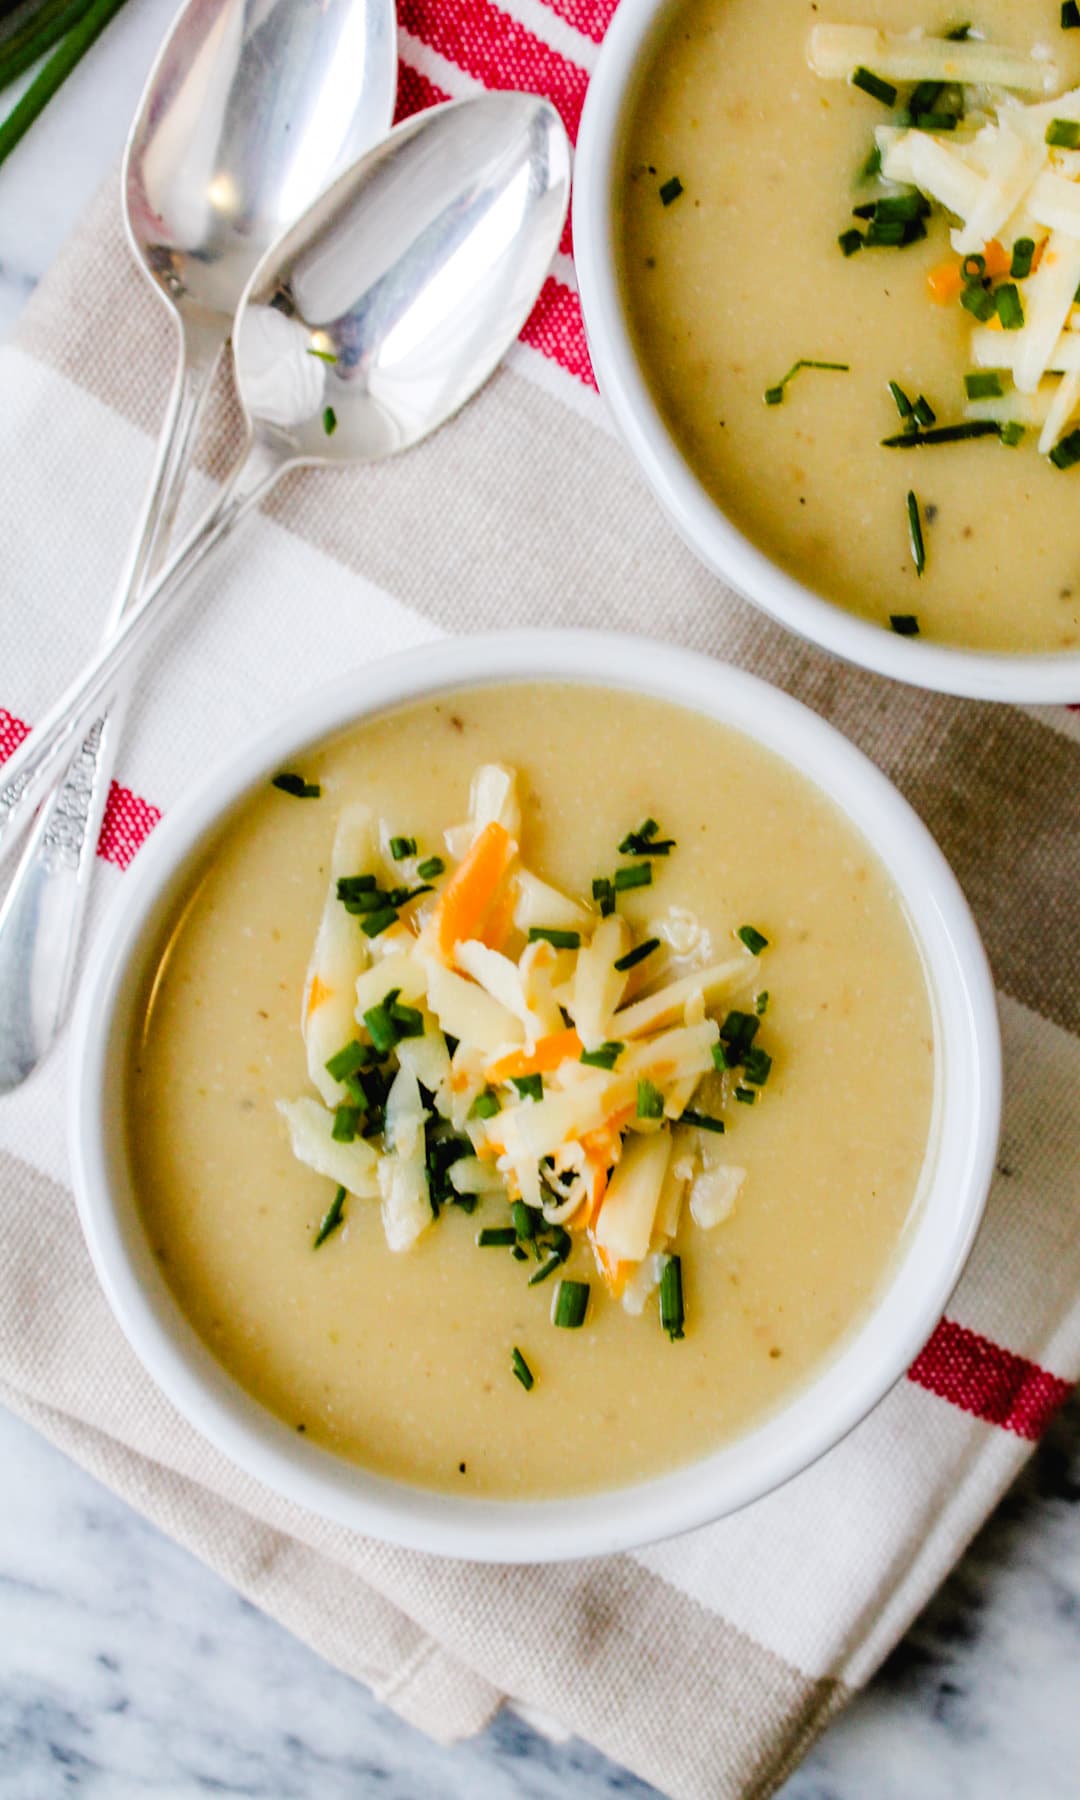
868	1361
1017	677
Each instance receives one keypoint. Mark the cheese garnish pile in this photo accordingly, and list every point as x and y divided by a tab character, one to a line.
1003	181
494	1028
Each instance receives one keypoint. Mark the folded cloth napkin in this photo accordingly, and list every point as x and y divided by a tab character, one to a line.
709	1663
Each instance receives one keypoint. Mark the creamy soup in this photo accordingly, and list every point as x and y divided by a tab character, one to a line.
403	1361
740	274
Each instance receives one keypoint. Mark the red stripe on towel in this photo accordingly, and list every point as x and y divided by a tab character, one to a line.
555	328
128	820
415	93
992	1383
590	17
493	48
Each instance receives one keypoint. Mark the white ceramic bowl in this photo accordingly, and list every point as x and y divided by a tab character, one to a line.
869	1361
982	675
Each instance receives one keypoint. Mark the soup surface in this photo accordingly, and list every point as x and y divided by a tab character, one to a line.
739	276
402	1361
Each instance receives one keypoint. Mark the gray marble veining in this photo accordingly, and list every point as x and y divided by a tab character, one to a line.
129	1672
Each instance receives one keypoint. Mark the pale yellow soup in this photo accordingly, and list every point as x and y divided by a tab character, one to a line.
402	1362
731	283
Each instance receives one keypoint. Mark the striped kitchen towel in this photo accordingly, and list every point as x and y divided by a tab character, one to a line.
707	1664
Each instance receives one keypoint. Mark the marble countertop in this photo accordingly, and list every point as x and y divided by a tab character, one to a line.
978	1703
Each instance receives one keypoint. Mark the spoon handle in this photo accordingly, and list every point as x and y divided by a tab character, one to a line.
42	913
27	774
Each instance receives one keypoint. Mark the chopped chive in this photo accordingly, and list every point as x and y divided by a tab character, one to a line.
925	96
1012	434
871	168
326	356
896	208
400	896
1022	258
850	242
933	121
915	534
530	1087
886	234
745	1095
331	1218
874	86
495	1237
752	938
430	867
633	957
757	1065
739	1030
646	841
703	1121
904	624
518	1254
774	395
761	1003
1063	134
983	385
901	401
401	847
329	421
380	1023
979	301
604	893
957	33
291	783
570	1305
354	1087
408	1020
560	940
670	190
351	887
1066	454
943	434
924	413
367	900
1070	16
650	1101
672	1313
524	1220
348	1060
346	1123
1010	307
486	1105
374	924
548	1267
522	1370
603	1058
639	875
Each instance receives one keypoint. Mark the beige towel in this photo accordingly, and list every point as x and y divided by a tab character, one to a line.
707	1664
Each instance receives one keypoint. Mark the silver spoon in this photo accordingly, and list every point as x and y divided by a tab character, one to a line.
365	328
248	114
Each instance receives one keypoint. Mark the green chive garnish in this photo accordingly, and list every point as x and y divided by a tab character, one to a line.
604	893
761	1004
430	868
1012	434
291	783
522	1370
1070	16
746	1095
646	841
351	887
650	1101
570	1305
486	1105
904	624
850	242
346	1124
943	434
605	1057
924	413
774	396
329	421
1010	307
379	1020
1063	134
739	1031
757	1065
1066	454
401	847
670	190
495	1237
752	938
640	875
1022	258
331	1219
979	301
524	1220
915	534
672	1314
871	168
348	1060
703	1121
326	356
560	940
530	1087
374	924
874	86
901	401
983	385
408	1020
633	957
553	1262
